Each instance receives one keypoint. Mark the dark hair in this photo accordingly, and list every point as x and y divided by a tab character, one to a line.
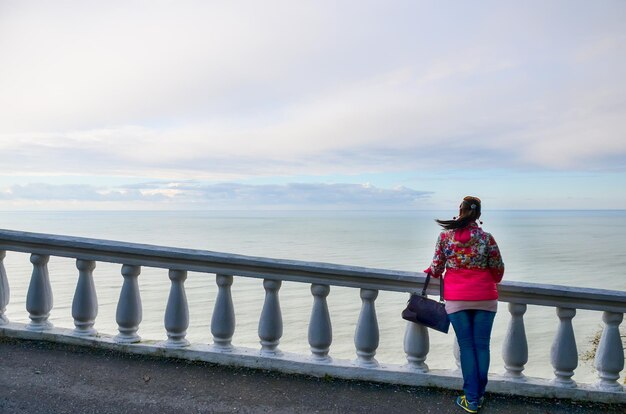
469	212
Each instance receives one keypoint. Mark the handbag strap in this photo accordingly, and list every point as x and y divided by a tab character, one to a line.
440	286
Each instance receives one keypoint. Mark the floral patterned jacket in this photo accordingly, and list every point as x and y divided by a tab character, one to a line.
472	262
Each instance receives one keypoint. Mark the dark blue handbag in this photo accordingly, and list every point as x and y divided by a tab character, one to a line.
431	313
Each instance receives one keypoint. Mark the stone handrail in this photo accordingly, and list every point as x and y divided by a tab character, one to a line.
609	359
292	270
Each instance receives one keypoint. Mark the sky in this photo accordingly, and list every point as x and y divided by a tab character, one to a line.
271	104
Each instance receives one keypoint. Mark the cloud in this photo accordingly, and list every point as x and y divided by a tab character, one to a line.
306	194
226	90
74	192
228	195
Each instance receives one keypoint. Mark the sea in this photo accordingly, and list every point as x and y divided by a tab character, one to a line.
570	248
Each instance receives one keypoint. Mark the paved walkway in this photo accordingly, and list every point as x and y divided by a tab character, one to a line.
40	377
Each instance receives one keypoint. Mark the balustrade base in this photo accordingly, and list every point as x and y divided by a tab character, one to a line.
366	363
320	354
270	348
564	383
223	343
514	376
222	347
39	326
176	343
321	359
85	332
612	386
303	364
417	366
271	352
127	338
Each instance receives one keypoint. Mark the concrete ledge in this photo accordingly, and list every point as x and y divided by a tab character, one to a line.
299	364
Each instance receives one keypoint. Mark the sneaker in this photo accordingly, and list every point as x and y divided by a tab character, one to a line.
470	407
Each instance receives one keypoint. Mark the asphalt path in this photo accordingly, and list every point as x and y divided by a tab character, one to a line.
41	377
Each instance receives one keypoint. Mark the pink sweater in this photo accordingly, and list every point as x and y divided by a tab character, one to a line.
472	263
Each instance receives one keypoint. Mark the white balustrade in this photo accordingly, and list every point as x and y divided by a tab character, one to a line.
129	313
416	346
610	353
515	346
176	318
609	361
366	336
85	302
223	319
271	321
456	351
320	327
564	354
4	289
39	296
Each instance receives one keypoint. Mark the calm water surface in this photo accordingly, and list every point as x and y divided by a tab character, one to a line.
573	248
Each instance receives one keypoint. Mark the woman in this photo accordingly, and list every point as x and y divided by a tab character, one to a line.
473	266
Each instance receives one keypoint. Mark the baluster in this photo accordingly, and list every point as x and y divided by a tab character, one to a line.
4	289
223	319
416	346
366	335
515	347
564	355
610	353
320	327
128	315
39	296
456	351
176	319
271	322
85	303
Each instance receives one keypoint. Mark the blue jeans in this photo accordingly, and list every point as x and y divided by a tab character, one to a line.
473	332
